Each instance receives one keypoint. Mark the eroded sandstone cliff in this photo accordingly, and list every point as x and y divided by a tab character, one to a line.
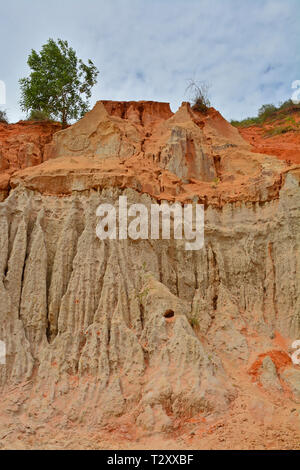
22	145
102	332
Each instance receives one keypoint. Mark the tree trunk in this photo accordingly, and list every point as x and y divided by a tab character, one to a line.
64	120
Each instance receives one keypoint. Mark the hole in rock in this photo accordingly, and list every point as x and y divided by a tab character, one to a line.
169	314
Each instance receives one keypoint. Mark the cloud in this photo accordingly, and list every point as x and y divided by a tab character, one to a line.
247	52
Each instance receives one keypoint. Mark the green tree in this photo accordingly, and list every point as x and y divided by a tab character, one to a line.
266	110
59	84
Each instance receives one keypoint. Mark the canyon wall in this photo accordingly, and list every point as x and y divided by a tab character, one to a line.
100	329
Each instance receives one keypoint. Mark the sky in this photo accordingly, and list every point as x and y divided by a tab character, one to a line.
247	51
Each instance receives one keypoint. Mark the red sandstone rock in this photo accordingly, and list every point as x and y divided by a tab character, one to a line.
286	145
22	145
183	156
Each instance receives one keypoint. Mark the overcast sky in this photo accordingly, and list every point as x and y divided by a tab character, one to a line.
247	50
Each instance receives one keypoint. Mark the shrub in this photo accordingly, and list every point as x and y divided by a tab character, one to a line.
289	106
266	111
3	117
38	115
246	122
279	130
200	100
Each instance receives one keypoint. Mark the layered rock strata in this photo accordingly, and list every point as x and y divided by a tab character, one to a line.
100	329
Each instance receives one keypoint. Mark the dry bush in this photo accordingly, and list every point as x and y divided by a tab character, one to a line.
3	117
199	91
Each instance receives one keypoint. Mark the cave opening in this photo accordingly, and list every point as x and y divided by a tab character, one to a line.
169	313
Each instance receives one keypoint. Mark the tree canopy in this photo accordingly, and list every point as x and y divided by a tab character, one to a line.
59	84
